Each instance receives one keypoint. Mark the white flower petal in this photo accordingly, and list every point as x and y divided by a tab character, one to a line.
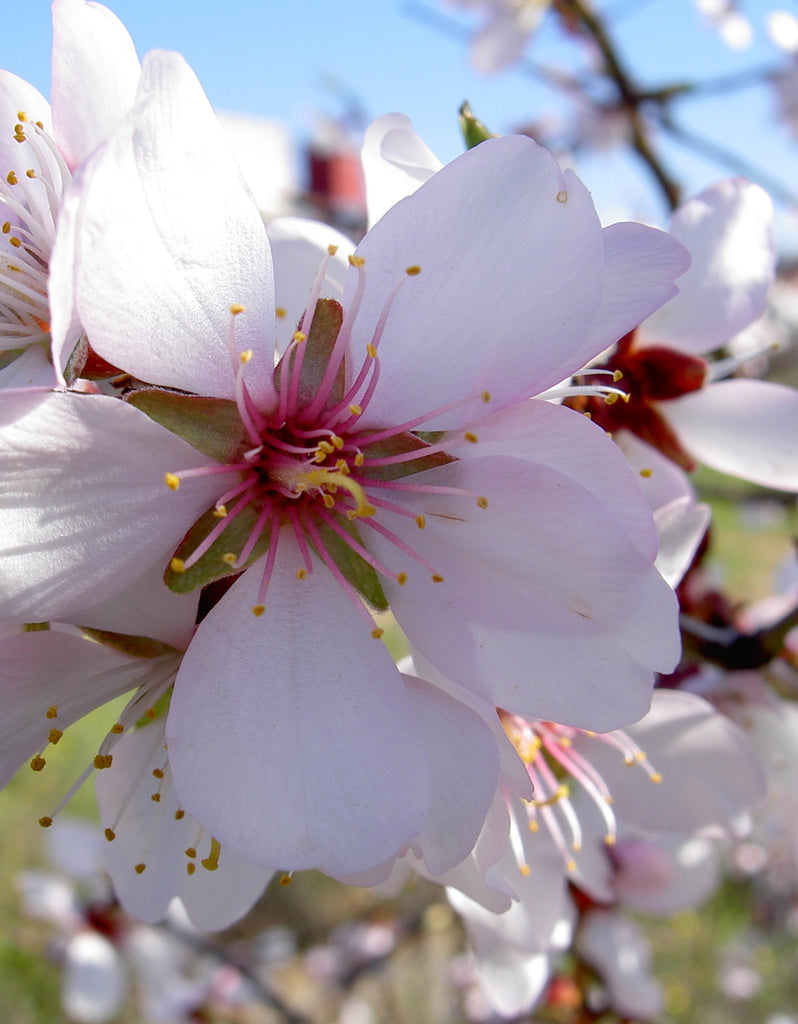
395	163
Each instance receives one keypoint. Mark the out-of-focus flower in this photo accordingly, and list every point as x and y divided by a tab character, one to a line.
95	74
508	28
675	399
732	26
392	456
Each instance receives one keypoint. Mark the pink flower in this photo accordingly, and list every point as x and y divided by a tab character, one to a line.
391	459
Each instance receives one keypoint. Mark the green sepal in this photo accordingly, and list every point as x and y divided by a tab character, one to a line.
211	425
472	129
398	445
210	566
77	360
356	570
327	319
136	646
157	710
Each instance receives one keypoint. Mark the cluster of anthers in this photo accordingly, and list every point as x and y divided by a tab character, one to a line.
31	202
547	750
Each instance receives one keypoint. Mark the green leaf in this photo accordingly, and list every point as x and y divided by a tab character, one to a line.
398	446
472	129
211	425
327	319
356	570
211	566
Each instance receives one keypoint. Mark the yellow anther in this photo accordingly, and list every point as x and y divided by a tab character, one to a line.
301	573
139	868
413	271
325	447
52	712
46	821
211	862
342	466
525	870
6	227
299	337
157	773
229	558
117	729
356	261
468	436
328	500
609	840
190	868
172	481
190	852
617	375
11	178
401	578
421	521
562	196
655	777
355	410
237	308
245	356
21	115
332	250
360	458
485	397
338	442
372	351
110	835
55	735
626	397
103	761
436	578
177	565
570	866
646	473
30	173
39	124
258	610
285	880
280	313
151	714
220	511
179	815
37	763
482	502
155	797
611	398
565	741
377	633
15	241
532	825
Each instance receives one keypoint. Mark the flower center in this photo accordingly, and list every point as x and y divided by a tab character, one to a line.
651	374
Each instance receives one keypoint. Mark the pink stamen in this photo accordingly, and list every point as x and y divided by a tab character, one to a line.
271	555
347	587
220	527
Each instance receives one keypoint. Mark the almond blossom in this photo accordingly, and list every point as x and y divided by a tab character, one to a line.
676	400
509	26
391	459
95	75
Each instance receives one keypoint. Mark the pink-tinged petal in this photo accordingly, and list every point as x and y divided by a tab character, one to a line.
666	874
503	39
709	771
47	669
728	231
511	258
553	436
95	75
145	608
546	607
618	950
291	736
395	163
464	765
18	97
30	369
640	267
746	428
298	248
94	984
681	526
86	508
166	239
154	833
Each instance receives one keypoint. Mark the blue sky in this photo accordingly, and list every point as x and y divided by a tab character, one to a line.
272	58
